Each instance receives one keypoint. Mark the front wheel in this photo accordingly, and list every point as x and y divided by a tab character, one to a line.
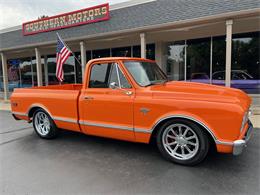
43	125
182	142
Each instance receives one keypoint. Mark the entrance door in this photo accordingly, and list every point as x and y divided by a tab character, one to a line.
108	103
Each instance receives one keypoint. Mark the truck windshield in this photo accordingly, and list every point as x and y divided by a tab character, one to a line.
146	73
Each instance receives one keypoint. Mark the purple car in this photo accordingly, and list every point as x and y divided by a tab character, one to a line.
239	79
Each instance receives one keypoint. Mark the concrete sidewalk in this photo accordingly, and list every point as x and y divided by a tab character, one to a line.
5	105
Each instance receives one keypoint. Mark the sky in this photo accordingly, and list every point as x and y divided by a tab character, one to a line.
15	12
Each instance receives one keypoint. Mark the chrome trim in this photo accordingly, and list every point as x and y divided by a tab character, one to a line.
187	117
239	145
117	72
137	130
63	119
224	143
244	120
20	113
106	126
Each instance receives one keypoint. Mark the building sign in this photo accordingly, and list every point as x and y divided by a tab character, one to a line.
80	17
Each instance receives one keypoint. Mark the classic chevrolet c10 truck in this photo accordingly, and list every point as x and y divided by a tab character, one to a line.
131	99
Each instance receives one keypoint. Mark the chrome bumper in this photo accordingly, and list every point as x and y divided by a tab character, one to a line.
240	144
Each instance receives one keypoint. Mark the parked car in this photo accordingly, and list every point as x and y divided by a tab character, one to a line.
239	79
131	99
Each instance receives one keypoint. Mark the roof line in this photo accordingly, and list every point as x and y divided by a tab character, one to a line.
226	16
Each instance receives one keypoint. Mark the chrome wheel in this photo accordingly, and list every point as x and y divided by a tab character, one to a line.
180	141
42	123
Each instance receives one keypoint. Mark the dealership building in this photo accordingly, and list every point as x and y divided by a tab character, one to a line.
208	41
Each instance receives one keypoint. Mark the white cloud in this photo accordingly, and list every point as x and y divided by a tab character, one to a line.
15	12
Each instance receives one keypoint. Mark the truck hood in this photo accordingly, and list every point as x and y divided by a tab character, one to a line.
200	92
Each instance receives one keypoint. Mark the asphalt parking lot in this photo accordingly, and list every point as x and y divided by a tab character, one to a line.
80	164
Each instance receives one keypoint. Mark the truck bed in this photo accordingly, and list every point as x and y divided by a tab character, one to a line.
60	101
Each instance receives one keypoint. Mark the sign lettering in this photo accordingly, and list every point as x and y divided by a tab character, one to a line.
80	17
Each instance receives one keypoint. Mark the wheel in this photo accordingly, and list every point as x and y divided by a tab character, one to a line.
43	125
182	142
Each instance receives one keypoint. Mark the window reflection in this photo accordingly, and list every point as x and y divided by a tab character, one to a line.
219	60
121	52
245	72
19	72
175	61
198	60
34	72
26	73
150	51
68	68
101	53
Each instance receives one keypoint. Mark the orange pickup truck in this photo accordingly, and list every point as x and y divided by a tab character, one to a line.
131	99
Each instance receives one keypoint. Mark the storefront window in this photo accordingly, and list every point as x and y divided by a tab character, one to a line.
34	72
51	63
150	51
175	60
121	52
20	73
219	60
26	73
101	53
13	73
68	68
198	60
137	51
78	65
245	73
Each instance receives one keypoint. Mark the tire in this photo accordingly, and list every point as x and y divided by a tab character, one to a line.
187	146
43	125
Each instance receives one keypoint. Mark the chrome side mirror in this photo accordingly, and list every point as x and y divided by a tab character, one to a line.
113	85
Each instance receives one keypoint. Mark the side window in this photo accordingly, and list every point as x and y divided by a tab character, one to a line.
99	76
103	74
123	81
113	75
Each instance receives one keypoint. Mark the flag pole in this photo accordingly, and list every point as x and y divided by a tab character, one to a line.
72	54
68	48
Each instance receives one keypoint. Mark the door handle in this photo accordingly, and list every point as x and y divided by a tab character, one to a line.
129	93
88	98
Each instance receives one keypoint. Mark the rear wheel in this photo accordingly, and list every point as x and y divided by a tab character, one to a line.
43	125
182	142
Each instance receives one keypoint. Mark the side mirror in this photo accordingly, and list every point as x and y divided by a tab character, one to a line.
113	85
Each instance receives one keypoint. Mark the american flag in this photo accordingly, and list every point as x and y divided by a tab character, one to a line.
62	54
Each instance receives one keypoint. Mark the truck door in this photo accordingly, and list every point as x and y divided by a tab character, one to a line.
107	103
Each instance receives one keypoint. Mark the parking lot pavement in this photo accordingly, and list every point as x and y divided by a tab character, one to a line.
80	164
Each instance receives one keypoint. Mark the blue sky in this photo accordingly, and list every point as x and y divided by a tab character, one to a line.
15	12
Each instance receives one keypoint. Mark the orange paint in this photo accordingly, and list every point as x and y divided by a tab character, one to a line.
114	114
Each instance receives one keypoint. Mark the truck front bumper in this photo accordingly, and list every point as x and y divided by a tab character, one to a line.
240	144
